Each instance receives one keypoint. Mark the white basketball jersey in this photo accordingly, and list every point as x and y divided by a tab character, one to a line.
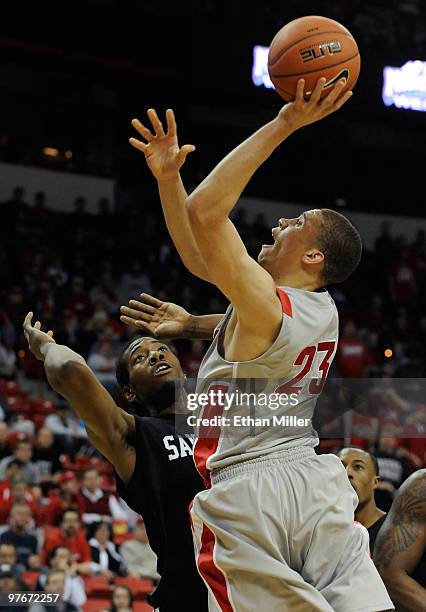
261	406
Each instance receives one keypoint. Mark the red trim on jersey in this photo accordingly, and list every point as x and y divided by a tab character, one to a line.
215	332
285	302
208	436
210	572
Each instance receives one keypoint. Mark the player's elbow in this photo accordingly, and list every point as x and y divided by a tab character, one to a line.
64	374
201	211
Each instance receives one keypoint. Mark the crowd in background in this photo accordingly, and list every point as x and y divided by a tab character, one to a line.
58	508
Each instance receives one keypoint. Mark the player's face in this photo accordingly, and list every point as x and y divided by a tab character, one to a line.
291	239
151	363
360	471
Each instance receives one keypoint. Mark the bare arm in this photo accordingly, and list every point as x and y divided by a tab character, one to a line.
401	543
108	426
164	158
168	321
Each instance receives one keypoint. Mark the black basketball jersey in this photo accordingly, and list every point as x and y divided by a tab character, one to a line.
163	484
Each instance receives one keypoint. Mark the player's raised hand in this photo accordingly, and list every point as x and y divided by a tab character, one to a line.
35	337
163	320
304	111
161	148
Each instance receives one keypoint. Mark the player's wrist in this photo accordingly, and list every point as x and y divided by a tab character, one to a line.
169	178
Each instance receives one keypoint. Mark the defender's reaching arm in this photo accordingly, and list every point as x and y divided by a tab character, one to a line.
168	321
108	426
401	543
164	158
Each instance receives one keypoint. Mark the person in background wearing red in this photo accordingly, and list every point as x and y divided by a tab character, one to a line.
353	356
66	498
71	536
94	503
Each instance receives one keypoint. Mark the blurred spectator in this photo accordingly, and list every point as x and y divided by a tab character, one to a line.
60	559
106	560
403	282
121	600
94	503
71	536
5	450
24	452
8	557
140	559
102	362
22	424
395	465
25	543
77	300
17	492
46	454
63	424
9	583
192	359
55	583
8	367
133	283
352	356
66	498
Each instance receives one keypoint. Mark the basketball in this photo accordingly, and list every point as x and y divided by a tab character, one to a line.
309	48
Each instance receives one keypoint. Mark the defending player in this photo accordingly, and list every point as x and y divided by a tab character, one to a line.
400	551
155	471
275	524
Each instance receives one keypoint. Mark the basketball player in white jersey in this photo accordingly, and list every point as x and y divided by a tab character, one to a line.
274	528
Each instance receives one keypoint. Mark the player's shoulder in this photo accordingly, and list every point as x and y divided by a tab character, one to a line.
294	301
415	485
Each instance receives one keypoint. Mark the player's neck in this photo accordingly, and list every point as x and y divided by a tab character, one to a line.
297	280
368	514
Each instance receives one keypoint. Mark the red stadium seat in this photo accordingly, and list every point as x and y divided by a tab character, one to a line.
140	587
97	586
38	420
44	407
10	387
19	404
96	605
30	578
142	606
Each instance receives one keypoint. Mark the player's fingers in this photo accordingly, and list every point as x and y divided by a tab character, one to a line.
299	99
133	323
330	99
155	122
171	122
342	100
184	152
141	146
50	333
136	314
143	130
317	91
150	299
140	306
27	321
37	325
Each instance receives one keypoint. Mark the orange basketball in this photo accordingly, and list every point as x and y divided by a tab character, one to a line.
310	48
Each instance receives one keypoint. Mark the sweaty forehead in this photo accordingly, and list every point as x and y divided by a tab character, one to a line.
355	454
139	342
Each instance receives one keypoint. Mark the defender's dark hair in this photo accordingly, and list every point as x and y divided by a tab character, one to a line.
341	244
372	457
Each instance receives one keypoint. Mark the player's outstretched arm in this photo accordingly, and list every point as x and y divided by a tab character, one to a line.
107	425
243	281
217	195
164	158
167	321
401	543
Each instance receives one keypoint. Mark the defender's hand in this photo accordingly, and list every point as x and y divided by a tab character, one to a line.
35	337
161	149
163	320
302	112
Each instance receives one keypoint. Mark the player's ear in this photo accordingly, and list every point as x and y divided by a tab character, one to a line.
129	393
313	256
376	481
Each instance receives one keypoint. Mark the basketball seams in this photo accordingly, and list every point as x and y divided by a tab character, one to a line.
294	74
296	42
